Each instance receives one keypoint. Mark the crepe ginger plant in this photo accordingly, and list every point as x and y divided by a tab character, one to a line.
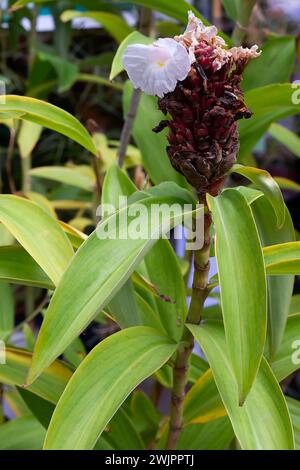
220	365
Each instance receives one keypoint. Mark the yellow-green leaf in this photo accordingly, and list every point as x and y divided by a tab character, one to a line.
105	379
38	232
263	422
242	281
50	116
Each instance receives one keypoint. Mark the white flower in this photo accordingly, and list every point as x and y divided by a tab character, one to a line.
157	68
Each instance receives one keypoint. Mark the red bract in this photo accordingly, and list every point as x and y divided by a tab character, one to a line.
204	110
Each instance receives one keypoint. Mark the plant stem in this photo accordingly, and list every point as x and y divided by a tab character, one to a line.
145	27
181	366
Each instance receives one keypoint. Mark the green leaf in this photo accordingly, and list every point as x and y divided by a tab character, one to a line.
242	283
286	137
66	71
214	435
24	433
71	176
49	385
250	194
7	310
294	409
38	232
280	288
18	267
277	104
114	24
69	313
116	184
40	408
285	183
28	137
105	379
287	359
121	433
295	304
232	7
134	38
264	181
160	262
123	306
50	116
178	10
197	368
282	259
275	65
263	422
148	116
202	402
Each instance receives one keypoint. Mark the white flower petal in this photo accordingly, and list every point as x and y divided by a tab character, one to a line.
157	68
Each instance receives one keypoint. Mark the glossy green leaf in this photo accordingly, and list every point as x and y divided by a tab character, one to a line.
263	422
114	24
134	38
278	103
49	385
244	303
38	232
18	267
71	176
70	312
275	65
264	181
50	116
250	194
282	259
280	288
24	433
7	310
286	137
105	378
287	359
148	116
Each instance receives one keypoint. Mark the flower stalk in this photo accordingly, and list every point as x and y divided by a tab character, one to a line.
181	365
